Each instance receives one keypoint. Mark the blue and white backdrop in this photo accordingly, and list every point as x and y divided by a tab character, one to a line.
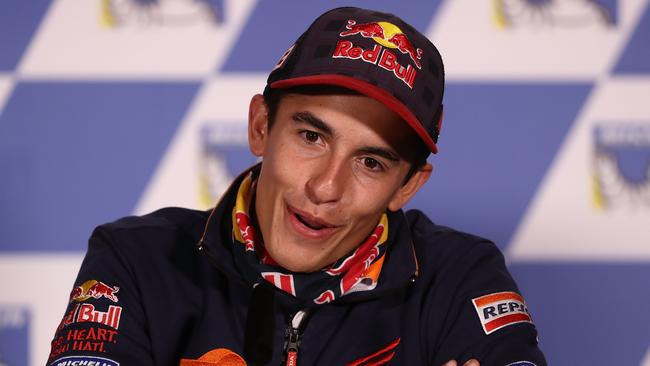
116	107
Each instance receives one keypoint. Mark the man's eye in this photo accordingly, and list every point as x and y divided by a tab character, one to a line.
311	136
371	164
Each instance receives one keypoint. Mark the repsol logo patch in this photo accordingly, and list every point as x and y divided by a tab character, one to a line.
498	310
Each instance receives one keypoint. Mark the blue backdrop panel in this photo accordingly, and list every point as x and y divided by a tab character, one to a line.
635	58
496	144
76	154
19	20
589	314
273	25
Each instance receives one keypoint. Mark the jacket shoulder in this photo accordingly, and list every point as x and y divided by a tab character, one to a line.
163	218
158	224
457	270
431	239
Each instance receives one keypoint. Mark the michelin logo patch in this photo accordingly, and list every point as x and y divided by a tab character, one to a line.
521	363
84	361
498	310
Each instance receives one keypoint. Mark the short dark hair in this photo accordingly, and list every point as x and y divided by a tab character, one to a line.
418	153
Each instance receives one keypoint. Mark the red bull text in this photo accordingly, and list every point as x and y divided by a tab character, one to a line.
387	36
87	313
378	56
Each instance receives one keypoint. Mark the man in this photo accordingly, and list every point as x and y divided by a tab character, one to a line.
308	258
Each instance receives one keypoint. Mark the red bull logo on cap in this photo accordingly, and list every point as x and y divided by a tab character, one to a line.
388	36
94	289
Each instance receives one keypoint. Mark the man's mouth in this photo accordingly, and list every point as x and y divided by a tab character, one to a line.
311	222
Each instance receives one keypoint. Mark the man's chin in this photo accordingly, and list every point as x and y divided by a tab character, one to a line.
300	267
294	263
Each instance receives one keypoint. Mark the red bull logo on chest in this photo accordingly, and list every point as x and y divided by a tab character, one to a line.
388	37
81	313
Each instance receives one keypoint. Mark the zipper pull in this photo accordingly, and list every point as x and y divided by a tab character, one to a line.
293	338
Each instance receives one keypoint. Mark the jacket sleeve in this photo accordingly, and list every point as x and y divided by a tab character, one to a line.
104	321
487	318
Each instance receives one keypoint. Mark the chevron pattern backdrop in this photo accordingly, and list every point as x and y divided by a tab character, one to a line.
116	107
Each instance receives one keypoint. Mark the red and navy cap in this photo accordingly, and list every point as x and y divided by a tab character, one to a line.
372	53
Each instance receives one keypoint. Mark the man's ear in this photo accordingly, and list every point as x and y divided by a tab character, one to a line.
258	125
410	188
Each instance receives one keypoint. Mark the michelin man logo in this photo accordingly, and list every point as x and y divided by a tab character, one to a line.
161	12
621	166
551	13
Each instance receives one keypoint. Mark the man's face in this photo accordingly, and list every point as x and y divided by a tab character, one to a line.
331	167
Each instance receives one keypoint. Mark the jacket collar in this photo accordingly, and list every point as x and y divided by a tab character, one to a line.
400	267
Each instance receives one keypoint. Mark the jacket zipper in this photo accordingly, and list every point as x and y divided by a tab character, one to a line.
293	337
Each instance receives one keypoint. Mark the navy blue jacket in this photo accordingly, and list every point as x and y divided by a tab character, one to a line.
145	295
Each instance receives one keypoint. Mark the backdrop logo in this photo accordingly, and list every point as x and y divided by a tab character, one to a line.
14	334
554	13
116	13
621	165
224	154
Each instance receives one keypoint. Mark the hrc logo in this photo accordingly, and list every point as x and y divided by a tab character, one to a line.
621	166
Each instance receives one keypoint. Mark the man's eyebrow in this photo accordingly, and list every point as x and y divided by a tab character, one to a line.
314	121
385	153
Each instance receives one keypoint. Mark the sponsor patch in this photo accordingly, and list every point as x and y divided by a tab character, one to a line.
94	289
87	313
84	361
90	339
501	309
521	363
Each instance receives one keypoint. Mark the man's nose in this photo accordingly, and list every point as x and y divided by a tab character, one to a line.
328	181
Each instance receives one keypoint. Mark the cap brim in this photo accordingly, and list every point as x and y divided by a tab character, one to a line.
368	89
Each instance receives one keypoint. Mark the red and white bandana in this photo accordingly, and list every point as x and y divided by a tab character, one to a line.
358	271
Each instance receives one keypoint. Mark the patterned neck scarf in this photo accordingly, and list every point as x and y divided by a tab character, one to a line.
358	271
